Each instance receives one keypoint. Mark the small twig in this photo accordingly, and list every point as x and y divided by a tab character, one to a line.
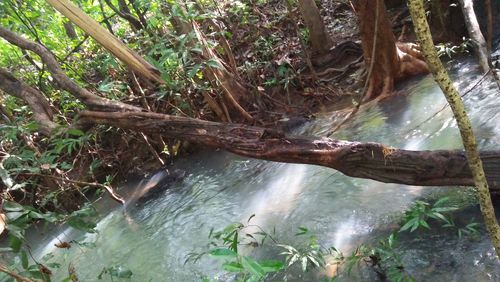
138	85
152	149
19	278
108	188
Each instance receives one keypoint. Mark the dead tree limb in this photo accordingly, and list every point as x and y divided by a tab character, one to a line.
42	113
363	160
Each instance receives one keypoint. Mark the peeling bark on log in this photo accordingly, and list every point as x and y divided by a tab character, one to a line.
363	160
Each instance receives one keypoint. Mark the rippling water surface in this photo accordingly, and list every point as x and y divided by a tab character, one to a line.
153	238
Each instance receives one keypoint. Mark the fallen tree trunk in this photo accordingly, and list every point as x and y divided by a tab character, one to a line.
363	160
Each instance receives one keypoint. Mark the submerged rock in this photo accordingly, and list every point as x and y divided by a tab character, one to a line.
289	124
157	185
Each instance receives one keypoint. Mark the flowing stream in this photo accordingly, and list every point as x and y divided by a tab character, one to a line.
153	237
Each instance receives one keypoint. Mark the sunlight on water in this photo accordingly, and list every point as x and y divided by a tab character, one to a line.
153	237
279	196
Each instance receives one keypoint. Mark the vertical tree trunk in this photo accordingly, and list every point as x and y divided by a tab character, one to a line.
489	25
321	41
423	33
383	55
388	60
437	18
475	34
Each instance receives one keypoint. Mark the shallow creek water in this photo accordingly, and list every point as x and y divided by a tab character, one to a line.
153	238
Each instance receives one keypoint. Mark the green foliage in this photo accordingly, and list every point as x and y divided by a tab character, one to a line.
449	49
116	271
419	214
20	218
309	256
384	256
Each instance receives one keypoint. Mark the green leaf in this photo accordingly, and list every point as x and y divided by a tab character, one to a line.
194	70
233	267
87	211
232	227
424	224
35	215
439	216
409	224
5	177
223	253
13	216
302	231
304	264
213	63
441	201
24	260
12	207
252	266
15	243
80	224
271	265
234	243
75	132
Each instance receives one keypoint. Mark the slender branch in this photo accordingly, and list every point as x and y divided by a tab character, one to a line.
135	23
42	112
108	188
19	278
105	19
61	79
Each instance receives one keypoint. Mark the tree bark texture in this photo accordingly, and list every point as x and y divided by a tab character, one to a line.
388	60
42	113
363	160
385	57
61	79
321	42
423	33
489	25
475	34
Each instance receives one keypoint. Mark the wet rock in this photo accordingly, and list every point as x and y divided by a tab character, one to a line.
159	183
289	124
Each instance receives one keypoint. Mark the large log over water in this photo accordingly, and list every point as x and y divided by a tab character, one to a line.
364	160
